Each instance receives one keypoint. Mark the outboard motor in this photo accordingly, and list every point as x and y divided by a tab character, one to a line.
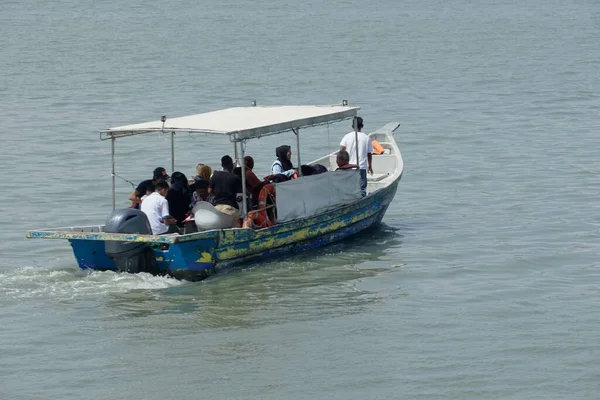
130	257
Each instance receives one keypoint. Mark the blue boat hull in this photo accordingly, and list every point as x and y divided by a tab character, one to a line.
196	256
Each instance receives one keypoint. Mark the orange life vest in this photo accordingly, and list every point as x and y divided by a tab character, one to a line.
377	148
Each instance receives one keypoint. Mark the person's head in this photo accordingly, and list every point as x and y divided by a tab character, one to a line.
160	174
343	158
162	188
359	124
179	181
227	163
201	188
284	153
249	162
205	172
199	168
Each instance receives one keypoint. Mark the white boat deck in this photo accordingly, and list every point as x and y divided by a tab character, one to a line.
386	167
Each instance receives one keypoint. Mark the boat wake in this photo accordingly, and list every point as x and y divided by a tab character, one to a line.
73	283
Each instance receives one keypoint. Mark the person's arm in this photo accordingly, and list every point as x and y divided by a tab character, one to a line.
343	144
251	179
134	197
165	212
211	186
139	191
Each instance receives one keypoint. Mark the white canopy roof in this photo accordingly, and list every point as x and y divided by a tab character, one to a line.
242	122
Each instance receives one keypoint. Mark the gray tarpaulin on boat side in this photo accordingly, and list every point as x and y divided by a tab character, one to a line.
311	195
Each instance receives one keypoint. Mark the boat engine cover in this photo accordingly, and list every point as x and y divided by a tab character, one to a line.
127	220
130	256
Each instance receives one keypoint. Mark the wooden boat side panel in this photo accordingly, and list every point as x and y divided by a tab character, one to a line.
197	259
308	234
296	232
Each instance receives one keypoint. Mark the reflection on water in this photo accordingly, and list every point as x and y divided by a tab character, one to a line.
323	283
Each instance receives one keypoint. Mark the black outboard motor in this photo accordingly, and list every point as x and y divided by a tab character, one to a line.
130	257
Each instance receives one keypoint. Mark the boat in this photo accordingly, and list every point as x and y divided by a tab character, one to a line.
311	211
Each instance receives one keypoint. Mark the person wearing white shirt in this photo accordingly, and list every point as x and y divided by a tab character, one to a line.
156	208
365	151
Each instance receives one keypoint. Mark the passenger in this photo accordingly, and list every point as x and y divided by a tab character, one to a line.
283	165
203	172
253	184
365	150
200	192
342	161
179	197
224	185
147	186
198	169
156	208
149	190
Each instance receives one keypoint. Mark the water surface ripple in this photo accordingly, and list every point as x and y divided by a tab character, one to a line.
482	282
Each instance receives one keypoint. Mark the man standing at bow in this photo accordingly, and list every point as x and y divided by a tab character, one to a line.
365	150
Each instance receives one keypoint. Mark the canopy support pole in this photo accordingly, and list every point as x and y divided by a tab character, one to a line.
355	127
235	153
297	132
243	167
172	152
112	147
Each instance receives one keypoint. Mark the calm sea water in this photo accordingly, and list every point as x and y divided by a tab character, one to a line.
482	283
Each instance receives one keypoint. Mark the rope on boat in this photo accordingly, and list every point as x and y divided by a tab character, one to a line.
261	209
133	185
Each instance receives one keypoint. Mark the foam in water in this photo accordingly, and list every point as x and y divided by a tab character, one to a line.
34	282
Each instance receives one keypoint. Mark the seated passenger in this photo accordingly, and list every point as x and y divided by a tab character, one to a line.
147	186
156	208
224	185
203	172
149	190
283	165
253	184
179	197
343	161
200	192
